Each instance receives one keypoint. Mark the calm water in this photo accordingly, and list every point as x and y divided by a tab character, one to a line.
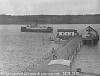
12	39
15	45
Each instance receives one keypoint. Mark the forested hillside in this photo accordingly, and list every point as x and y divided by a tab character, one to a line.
50	19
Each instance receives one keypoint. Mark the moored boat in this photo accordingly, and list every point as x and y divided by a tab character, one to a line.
37	28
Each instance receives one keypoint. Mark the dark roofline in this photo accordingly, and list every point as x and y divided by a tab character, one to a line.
92	28
66	30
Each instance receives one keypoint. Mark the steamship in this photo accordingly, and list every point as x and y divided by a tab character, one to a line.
37	28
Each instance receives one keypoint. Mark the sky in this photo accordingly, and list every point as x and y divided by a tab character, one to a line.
49	7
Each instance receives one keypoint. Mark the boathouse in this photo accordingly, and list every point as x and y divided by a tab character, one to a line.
89	36
66	33
89	30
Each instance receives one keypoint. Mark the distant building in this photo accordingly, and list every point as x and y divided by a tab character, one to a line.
66	33
89	31
90	36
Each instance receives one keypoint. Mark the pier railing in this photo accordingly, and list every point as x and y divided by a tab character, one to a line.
68	50
70	46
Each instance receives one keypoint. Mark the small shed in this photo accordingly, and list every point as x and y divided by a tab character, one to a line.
66	33
59	66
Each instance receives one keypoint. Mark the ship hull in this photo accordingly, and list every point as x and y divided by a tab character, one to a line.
48	30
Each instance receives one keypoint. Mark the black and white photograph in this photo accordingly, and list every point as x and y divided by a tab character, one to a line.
49	38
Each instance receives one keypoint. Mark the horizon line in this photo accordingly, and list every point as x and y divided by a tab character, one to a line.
49	14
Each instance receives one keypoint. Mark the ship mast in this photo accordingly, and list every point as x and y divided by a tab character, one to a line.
35	24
